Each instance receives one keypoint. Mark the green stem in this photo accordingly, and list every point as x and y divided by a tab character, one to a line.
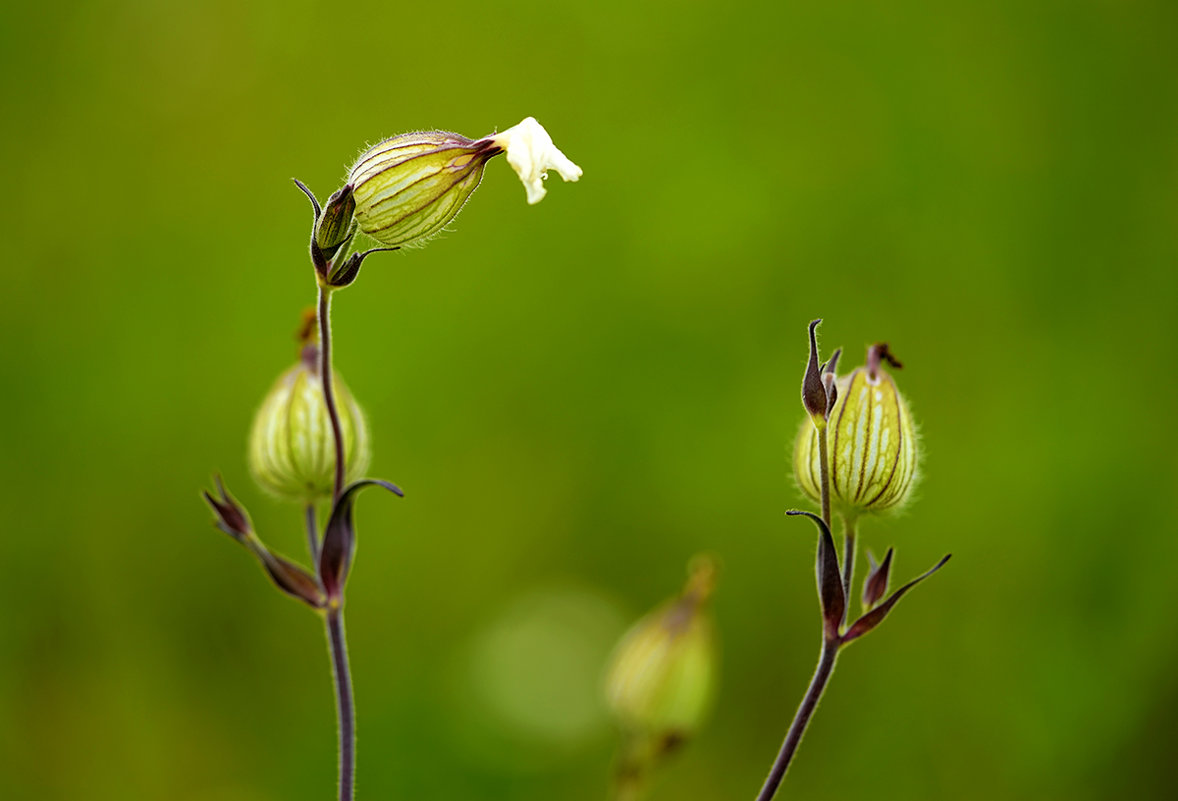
633	762
627	790
824	474
849	524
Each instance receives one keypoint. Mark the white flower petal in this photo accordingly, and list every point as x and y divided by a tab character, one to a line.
531	154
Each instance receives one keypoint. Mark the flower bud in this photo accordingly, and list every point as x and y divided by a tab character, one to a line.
814	394
662	675
876	584
292	448
410	187
872	443
334	227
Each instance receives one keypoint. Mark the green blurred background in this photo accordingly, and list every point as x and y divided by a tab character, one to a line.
578	396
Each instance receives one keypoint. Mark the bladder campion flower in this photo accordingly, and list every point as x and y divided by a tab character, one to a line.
873	447
309	440
408	188
531	153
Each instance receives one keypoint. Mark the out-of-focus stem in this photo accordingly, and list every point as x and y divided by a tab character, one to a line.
633	761
627	790
793	737
312	536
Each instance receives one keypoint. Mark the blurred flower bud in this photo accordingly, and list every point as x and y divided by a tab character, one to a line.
408	188
876	584
292	450
662	675
873	449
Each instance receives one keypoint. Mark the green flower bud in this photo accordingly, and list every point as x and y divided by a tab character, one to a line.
334	227
410	187
872	443
291	448
662	676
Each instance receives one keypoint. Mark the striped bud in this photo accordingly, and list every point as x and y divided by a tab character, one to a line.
291	447
410	187
872	444
662	675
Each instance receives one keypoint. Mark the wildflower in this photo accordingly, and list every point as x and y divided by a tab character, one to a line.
872	442
408	188
531	153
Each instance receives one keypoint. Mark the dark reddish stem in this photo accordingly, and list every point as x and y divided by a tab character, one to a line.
329	388
341	673
345	707
830	650
830	647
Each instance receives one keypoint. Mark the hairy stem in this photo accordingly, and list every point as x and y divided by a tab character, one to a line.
793	737
329	388
345	709
344	704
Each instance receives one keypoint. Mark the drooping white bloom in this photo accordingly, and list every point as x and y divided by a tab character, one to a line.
531	153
